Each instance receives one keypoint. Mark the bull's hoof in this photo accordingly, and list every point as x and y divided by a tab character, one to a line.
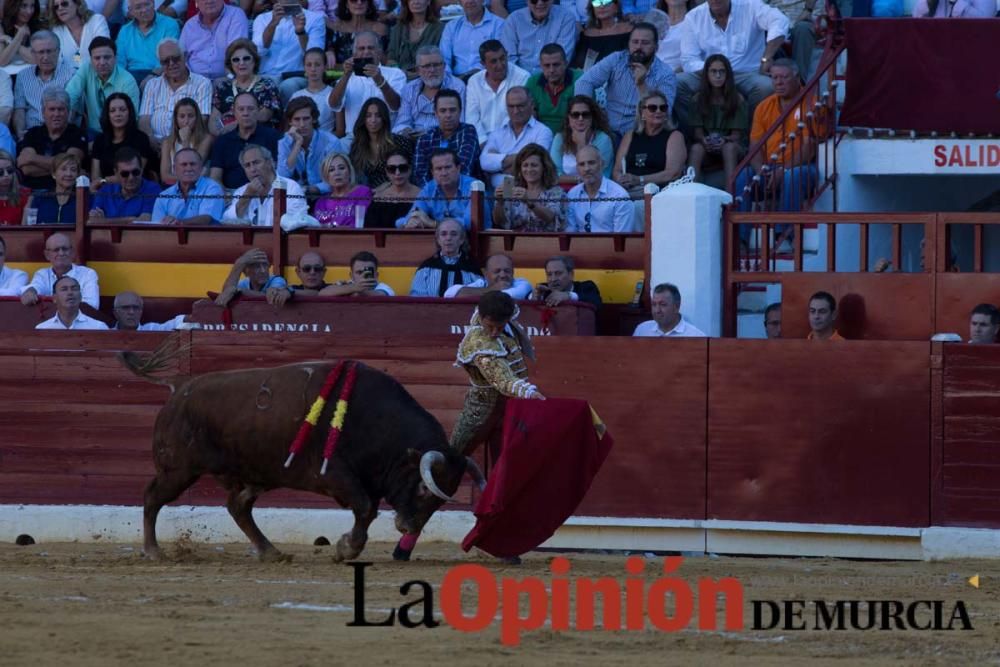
345	550
152	553
399	553
274	556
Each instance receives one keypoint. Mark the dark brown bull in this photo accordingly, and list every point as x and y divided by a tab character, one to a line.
238	425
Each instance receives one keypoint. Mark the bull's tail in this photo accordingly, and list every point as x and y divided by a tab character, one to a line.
149	366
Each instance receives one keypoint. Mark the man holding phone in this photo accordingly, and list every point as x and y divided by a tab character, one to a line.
282	36
364	279
364	77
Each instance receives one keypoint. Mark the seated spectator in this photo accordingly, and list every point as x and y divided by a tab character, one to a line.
364	279
128	315
188	130
587	211
74	25
552	88
984	321
311	270
162	93
314	65
119	129
416	107
54	136
346	201
527	30
353	18
207	35
446	195
823	317
302	150
452	134
13	196
667	319
66	295
12	281
718	118
59	253
628	75
486	92
58	207
520	130
243	64
450	264
394	198
137	40
372	142
195	199
369	79
227	168
283	38
31	81
499	278
605	32
954	9
462	36
20	20
559	285
258	281
96	81
6	98
130	199
418	26
654	151
585	125
747	32
532	202
253	203
772	320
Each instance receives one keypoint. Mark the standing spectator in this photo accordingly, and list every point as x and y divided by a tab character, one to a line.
243	63
59	253
672	30
452	134
304	148
606	32
667	320
254	202
719	119
629	75
416	107
206	36
74	25
31	81
66	295
823	317
137	40
188	130
227	165
954	9
41	144
747	32
21	19
92	85
552	88
12	281
13	197
487	90
314	65
130	199
365	80
560	286
984	321
536	203
450	264
589	210
353	18
418	26
527	30
162	93
654	151
373	142
346	201
283	39
772	320
119	128
461	37
393	199
521	129
59	206
195	199
446	195
585	125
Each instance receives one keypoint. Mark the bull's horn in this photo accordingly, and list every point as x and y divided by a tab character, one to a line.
475	472
427	462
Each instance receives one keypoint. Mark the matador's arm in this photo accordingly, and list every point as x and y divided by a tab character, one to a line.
497	372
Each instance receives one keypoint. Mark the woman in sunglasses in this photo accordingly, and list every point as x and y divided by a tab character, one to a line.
13	197
654	151
373	140
345	205
585	125
719	118
58	207
119	127
75	26
243	63
394	198
606	32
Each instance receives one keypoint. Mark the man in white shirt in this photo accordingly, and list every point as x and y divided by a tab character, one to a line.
485	94
253	203
282	38
499	277
128	315
368	79
587	213
66	295
521	129
59	252
12	281
747	32
667	319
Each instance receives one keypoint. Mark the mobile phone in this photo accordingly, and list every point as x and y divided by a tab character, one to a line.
359	65
637	296
292	8
368	274
508	186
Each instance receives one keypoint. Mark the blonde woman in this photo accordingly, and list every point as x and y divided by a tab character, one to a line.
346	204
75	26
654	152
13	197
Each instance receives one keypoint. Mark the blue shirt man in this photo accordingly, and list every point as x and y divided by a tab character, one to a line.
195	200
461	37
308	170
137	40
528	30
446	195
116	203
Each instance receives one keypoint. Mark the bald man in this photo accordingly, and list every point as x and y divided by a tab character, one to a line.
586	212
60	252
128	313
311	270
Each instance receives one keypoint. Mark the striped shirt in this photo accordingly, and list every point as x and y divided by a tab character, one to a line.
159	99
623	96
465	142
28	91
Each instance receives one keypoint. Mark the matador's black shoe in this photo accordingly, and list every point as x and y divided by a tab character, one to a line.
399	553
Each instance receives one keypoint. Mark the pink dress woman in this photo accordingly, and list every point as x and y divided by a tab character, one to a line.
344	211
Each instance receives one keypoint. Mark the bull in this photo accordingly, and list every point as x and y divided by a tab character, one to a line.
237	427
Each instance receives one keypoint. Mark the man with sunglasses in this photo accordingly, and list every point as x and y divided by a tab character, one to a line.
311	270
416	106
163	92
207	34
589	208
542	22
130	198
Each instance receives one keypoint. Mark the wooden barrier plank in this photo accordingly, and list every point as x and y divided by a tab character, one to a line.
52	487
80	461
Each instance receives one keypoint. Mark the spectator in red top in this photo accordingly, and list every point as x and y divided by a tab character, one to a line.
13	196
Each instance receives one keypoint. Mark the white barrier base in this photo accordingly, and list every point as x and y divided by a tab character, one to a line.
90	523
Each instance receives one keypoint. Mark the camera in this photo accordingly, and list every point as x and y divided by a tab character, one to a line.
360	63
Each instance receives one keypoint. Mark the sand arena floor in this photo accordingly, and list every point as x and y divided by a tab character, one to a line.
103	604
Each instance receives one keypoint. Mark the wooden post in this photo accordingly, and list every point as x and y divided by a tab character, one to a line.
477	221
81	240
277	238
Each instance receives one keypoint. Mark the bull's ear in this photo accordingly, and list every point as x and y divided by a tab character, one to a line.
413	456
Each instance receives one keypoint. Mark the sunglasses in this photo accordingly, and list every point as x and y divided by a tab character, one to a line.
586	220
241	59
129	173
656	107
63	5
601	3
579	114
312	268
397	168
539	2
170	60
